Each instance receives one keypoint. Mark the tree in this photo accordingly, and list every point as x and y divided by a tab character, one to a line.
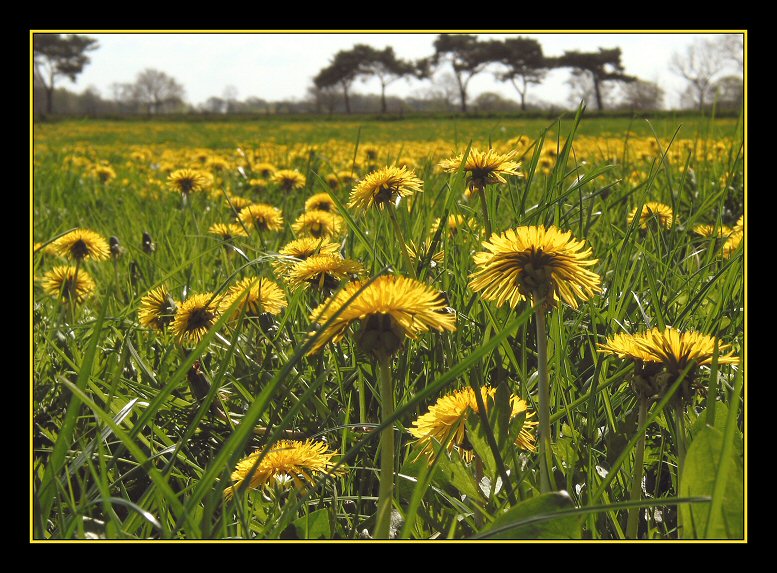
467	55
600	67
384	65
581	88
702	61
58	56
524	63
642	96
157	90
729	92
342	71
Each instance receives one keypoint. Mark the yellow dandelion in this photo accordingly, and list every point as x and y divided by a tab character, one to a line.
455	223
257	296
445	422
323	271
237	203
320	202
384	186
300	249
710	231
227	231
420	252
653	211
732	243
194	317
67	283
319	224
624	345
257	185
104	173
157	308
82	244
288	461
262	217
332	181
535	261
739	227
483	167
264	170
289	179
187	181
346	178
388	310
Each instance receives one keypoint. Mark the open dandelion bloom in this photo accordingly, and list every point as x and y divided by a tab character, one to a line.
288	179
237	203
319	224
262	217
289	461
454	224
81	244
388	310
676	349
384	186
264	170
710	231
61	282
227	231
651	210
739	227
320	202
187	181
323	271
626	346
548	264
483	167
256	296
732	243
332	181
103	173
420	252
157	308
195	316
300	249
445	422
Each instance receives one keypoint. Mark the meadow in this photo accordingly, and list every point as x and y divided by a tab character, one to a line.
223	348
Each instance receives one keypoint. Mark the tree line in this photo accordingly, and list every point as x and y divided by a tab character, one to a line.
455	61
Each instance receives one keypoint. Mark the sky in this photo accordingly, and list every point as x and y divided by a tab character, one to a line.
282	66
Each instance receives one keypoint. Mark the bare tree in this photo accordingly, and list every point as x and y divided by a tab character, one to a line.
157	90
641	95
701	63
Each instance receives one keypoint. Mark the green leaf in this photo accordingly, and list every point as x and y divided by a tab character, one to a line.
450	470
314	525
534	519
698	479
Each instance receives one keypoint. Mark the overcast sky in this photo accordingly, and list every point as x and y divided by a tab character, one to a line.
282	66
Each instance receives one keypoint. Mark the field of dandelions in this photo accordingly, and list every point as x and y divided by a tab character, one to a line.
426	329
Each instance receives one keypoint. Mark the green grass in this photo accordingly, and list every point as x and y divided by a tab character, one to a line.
123	449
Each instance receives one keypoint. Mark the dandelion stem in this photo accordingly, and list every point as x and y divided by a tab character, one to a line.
632	525
386	488
680	435
401	239
484	204
544	398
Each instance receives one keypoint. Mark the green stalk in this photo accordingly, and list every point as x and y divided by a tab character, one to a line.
484	205
680	432
632	524
544	398
362	401
401	238
386	488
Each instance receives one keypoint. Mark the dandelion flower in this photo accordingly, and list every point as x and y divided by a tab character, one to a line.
445	422
384	186
319	224
195	316
256	295
320	202
262	217
82	244
535	261
61	282
710	231
157	308
388	310
650	210
676	349
264	170
420	252
732	243
300	249
739	227
227	231
287	461
187	181
483	167
104	173
237	203
323	271
454	224
289	179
